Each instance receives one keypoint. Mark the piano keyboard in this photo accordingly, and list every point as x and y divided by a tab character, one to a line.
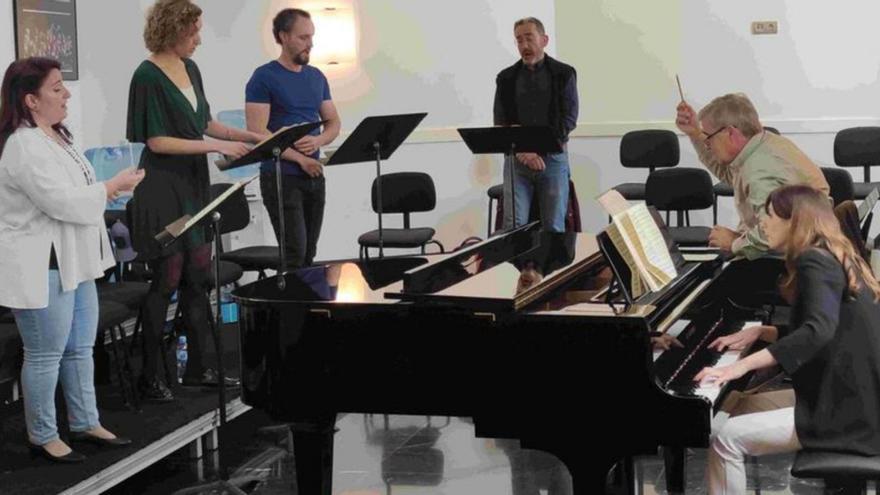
676	367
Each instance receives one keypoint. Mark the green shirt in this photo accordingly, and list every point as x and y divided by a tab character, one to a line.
174	185
767	162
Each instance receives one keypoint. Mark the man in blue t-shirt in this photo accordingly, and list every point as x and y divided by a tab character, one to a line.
285	92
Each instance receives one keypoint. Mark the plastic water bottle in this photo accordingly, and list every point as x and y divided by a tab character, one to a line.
181	357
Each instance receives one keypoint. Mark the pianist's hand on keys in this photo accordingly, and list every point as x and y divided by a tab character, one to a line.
720	375
744	338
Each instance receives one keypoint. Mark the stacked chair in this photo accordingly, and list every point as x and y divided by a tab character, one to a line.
859	147
681	190
650	149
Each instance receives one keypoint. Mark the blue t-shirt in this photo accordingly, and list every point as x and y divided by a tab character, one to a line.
294	98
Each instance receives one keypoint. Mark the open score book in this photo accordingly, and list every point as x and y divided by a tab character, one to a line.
640	243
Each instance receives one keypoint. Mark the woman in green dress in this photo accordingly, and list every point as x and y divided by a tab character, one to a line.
168	112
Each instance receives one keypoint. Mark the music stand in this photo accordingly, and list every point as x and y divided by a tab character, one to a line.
376	138
511	140
168	236
271	148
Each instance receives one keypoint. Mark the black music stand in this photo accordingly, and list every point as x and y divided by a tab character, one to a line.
168	236
376	138
271	148
510	141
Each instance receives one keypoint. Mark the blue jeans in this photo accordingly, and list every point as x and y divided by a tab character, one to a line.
58	341
548	187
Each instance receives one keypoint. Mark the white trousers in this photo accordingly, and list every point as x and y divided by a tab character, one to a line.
756	434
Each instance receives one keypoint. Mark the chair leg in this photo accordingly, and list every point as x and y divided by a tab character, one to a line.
434	241
137	330
715	209
128	368
117	362
756	480
163	348
489	222
128	371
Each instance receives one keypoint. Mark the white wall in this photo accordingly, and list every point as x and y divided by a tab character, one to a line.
819	74
7	37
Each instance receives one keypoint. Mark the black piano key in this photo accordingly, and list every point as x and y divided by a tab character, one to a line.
676	367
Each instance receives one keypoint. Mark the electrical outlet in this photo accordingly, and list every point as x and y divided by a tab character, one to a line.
764	27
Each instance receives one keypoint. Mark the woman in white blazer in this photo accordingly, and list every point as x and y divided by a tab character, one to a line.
53	245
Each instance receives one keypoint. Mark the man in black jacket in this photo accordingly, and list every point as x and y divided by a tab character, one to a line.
537	91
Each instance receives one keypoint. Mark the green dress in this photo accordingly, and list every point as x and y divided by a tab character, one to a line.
174	185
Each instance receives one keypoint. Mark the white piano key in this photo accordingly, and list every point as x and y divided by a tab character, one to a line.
676	328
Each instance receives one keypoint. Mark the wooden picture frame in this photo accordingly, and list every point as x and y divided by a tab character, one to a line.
47	28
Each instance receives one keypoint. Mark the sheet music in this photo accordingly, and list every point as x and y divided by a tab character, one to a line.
653	242
613	202
647	245
636	284
868	204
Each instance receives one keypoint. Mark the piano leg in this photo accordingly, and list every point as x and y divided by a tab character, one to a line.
623	480
674	463
313	456
591	477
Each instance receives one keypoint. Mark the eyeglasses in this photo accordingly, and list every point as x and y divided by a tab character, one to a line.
710	136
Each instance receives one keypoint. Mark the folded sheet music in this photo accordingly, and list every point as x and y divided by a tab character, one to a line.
639	241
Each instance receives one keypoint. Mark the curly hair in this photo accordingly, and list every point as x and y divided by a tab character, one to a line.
168	21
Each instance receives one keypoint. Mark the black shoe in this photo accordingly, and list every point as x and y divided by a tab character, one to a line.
84	436
210	378
154	390
71	457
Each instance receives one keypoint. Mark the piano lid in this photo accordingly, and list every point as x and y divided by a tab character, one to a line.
503	274
335	282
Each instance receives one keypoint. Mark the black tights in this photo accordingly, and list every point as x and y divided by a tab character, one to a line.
192	267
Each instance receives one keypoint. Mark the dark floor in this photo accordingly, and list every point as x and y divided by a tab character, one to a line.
22	474
414	458
411	457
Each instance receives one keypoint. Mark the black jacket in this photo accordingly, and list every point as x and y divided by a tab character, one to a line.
505	91
833	356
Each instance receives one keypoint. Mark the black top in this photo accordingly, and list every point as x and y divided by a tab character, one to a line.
533	95
833	357
562	103
174	185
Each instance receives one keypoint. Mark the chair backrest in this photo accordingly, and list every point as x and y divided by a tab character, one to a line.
109	161
405	192
234	213
650	148
679	189
496	192
858	147
848	215
841	184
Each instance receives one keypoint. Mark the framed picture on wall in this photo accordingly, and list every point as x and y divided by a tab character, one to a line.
47	28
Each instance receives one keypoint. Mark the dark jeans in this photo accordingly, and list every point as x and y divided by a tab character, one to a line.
303	214
193	269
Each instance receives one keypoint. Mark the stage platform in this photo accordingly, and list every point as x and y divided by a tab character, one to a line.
157	430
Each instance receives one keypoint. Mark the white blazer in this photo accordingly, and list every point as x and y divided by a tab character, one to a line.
45	199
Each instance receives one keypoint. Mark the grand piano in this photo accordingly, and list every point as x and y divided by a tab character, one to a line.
512	332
